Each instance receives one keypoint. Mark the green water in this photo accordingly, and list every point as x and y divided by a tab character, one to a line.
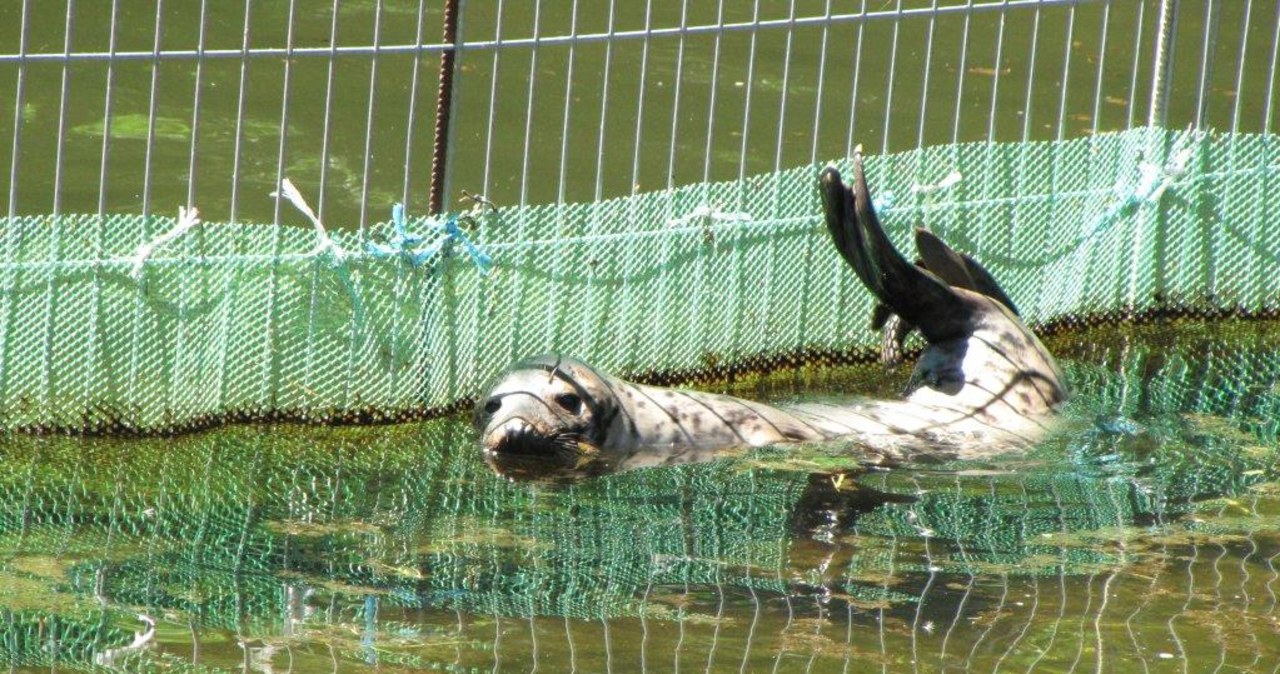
746	104
1142	537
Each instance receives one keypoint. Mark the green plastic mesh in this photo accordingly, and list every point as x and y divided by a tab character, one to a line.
249	321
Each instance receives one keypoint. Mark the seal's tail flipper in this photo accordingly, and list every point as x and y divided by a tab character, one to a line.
918	296
958	269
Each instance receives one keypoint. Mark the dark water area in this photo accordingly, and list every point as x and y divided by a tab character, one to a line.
570	120
1142	537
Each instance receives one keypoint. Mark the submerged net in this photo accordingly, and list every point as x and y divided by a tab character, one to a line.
355	539
254	321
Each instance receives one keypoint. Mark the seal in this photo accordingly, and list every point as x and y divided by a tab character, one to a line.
983	384
553	414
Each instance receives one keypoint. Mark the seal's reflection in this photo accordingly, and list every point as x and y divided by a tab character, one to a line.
833	501
588	462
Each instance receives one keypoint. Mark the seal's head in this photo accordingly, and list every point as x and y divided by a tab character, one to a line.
547	411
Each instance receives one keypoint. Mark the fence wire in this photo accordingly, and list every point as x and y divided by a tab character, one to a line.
137	107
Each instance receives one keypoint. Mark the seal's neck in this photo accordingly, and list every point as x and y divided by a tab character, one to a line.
672	420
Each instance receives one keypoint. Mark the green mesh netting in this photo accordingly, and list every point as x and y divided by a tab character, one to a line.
249	321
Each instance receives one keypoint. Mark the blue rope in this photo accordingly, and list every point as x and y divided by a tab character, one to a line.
419	249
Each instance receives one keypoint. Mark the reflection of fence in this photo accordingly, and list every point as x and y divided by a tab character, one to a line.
566	102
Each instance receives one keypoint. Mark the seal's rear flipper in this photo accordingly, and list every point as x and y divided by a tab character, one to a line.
918	296
958	269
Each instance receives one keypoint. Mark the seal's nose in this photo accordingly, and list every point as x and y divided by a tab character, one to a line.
515	436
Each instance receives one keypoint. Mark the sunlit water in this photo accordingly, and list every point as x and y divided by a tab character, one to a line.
1143	537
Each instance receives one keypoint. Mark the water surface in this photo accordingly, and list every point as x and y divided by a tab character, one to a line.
571	120
1142	537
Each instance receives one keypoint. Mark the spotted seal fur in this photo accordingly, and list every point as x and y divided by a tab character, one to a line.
983	384
960	270
556	412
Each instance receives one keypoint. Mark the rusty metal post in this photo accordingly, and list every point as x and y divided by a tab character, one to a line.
444	107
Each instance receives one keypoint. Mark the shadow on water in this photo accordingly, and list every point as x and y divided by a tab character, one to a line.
1142	534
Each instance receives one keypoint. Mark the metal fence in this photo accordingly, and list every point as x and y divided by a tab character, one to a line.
138	106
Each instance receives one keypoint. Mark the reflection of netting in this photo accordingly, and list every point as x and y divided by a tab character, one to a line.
241	321
252	502
1209	421
254	529
45	638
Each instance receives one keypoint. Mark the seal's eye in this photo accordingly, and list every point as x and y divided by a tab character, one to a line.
570	402
492	405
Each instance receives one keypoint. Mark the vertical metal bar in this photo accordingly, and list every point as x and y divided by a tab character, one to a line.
62	108
1102	66
368	120
714	647
326	133
326	138
493	102
857	72
237	153
568	102
644	74
1271	74
751	75
822	72
604	103
1137	60
418	36
18	104
444	105
55	228
106	114
1066	73
10	237
94	350
1153	226
893	66
223	326
1244	46
1162	65
786	81
282	147
528	109
195	106
452	132
712	87
154	101
1208	43
928	67
966	593
271	357
573	652
675	105
964	67
995	78
1027	102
